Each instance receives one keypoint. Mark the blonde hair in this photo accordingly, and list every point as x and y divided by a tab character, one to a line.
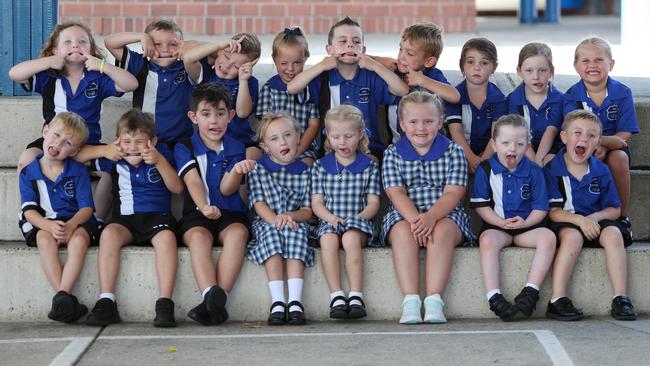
73	122
347	114
533	49
512	120
595	41
269	118
427	35
290	37
53	40
164	25
135	120
581	114
420	97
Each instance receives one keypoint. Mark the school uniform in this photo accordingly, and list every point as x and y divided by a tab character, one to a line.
274	97
211	166
424	178
55	200
510	194
86	101
393	114
477	123
284	188
549	113
238	128
162	91
345	190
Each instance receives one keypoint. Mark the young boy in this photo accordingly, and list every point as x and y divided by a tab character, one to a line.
57	208
164	89
348	76
142	182
214	211
584	208
231	65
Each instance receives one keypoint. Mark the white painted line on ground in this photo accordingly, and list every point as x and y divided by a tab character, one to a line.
72	352
36	340
553	347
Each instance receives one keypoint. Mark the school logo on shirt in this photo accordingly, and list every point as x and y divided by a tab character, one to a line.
68	187
181	76
364	95
548	113
91	90
594	186
489	113
525	191
612	112
153	175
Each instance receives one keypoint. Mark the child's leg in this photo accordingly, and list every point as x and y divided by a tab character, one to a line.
616	259
406	258
543	240
440	255
74	264
48	250
329	244
102	195
295	282
571	241
199	241
234	239
164	243
619	163
491	242
27	157
113	238
352	244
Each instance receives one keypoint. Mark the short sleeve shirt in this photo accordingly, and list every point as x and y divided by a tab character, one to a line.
548	114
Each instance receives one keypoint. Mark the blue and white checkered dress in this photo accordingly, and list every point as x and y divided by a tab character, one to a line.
274	97
424	178
284	188
345	190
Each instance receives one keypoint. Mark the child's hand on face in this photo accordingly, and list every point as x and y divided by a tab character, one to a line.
589	227
367	62
388	62
244	166
336	220
150	155
330	62
113	151
514	223
148	48
285	220
246	70
414	78
92	63
210	212
234	45
56	62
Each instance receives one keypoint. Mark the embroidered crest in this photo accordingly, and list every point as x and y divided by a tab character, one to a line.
548	113
181	76
525	191
612	112
364	95
91	90
68	187
153	175
594	186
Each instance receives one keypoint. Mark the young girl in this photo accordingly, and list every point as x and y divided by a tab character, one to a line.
614	104
290	51
424	175
345	197
481	102
279	193
538	101
510	196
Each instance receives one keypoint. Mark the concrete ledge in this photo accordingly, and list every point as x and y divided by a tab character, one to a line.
26	294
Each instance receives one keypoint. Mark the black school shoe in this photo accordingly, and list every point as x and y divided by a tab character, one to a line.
564	310
104	313
502	307
278	317
356	311
622	308
164	313
296	317
526	301
215	302
200	314
625	222
66	308
339	311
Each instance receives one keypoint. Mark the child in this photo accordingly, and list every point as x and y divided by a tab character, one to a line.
510	196
279	193
348	76
142	182
213	211
614	105
57	209
584	208
538	101
481	102
424	176
231	64
345	196
290	50
164	88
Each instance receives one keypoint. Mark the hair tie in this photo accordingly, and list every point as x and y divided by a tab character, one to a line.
293	31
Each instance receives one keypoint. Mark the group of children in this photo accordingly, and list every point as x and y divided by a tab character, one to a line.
283	172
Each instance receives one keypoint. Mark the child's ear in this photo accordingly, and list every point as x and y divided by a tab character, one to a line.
563	136
154	141
328	49
263	147
493	144
430	62
363	50
496	64
611	65
231	114
192	116
45	129
519	73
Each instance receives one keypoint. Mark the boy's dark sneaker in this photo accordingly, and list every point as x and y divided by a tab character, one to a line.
564	310
104	313
66	308
215	301
625	222
199	314
526	301
164	313
502	307
622	308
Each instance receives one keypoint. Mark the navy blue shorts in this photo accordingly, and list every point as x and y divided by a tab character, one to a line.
145	225
627	237
196	218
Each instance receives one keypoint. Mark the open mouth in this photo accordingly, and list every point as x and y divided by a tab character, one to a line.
344	151
54	152
215	130
129	154
284	152
580	151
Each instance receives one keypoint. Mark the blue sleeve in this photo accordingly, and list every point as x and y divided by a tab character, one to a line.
38	81
107	87
206	72
556	116
184	159
390	173
457	172
84	193
453	113
314	90
102	165
512	107
481	191
28	196
373	186
265	102
627	121
167	154
306	199
540	192
569	103
500	109
555	198
609	195
316	179
255	189
132	61
381	91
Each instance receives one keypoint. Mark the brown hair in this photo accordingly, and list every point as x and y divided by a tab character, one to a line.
596	41
482	45
420	97
427	35
212	94
346	113
512	120
345	21
164	25
53	40
269	118
136	120
533	49
581	114
250	45
290	37
74	123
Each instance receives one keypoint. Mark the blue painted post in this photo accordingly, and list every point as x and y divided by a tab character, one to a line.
553	9
527	11
6	48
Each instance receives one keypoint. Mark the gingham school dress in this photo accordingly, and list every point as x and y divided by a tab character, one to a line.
345	190
283	188
424	178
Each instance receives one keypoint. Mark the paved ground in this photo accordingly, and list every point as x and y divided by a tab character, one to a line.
595	341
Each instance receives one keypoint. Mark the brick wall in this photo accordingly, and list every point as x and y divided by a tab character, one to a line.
267	16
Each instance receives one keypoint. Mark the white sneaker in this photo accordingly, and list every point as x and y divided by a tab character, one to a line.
433	310
411	310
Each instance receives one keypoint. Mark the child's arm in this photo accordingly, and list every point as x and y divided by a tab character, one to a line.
446	91
194	185
193	56
402	203
614	142
231	180
456	132
545	144
115	43
488	215
61	231
300	82
124	81
244	102
172	181
22	72
89	152
318	206
371	208
587	224
395	85
424	223
309	135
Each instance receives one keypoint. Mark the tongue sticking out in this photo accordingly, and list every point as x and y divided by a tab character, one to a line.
580	151
52	151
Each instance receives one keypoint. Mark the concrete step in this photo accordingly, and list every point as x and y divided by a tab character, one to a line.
26	295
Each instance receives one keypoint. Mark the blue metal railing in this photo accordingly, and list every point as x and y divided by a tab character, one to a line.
528	12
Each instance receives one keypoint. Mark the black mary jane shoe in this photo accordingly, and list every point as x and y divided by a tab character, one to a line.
339	311
356	311
278	317
296	317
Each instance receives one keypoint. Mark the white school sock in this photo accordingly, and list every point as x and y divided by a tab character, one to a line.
205	292
492	293
335	294
355	301
277	294
107	295
555	299
532	285
295	292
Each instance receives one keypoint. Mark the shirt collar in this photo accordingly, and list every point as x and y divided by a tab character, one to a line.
522	170
408	152
559	168
518	96
494	94
295	167
332	166
68	170
276	83
176	66
200	148
228	83
359	79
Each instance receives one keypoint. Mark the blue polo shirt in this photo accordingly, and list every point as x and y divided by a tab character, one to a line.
238	128
211	166
510	194
366	91
86	101
138	189
61	198
594	192
477	123
548	114
164	92
616	112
